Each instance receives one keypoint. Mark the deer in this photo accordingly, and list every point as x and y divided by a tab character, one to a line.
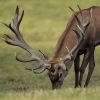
80	36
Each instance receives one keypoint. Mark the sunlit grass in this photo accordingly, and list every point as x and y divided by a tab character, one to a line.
64	94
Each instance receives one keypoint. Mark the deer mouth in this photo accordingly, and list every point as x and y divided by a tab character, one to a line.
57	84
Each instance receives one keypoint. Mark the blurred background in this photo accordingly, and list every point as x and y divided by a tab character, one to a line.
42	24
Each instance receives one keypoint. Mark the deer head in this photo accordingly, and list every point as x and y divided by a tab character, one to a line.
57	69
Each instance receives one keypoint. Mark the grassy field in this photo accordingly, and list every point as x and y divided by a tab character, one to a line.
43	23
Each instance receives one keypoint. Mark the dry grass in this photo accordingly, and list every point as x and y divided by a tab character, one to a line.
65	94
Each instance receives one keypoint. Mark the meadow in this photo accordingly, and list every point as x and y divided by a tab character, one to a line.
43	23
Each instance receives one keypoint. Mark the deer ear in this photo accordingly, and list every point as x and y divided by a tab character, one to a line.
45	56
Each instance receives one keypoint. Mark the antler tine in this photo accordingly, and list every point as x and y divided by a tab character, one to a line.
42	70
5	24
80	39
16	16
19	41
72	10
79	21
38	67
80	12
16	23
45	56
9	36
67	49
90	15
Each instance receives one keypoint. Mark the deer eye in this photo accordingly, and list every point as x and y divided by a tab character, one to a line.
59	67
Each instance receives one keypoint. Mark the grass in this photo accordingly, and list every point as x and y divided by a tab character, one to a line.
43	23
64	94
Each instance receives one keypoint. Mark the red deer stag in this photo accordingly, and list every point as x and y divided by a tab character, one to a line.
68	49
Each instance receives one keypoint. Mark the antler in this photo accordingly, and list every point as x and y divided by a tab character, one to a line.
82	27
19	41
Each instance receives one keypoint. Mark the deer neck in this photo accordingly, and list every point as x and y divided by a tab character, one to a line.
68	38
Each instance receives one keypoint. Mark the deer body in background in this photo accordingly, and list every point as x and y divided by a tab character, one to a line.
81	35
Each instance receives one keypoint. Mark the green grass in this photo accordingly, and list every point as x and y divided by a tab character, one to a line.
43	23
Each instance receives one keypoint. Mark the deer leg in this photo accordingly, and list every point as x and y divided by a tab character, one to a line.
86	59
91	67
76	69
